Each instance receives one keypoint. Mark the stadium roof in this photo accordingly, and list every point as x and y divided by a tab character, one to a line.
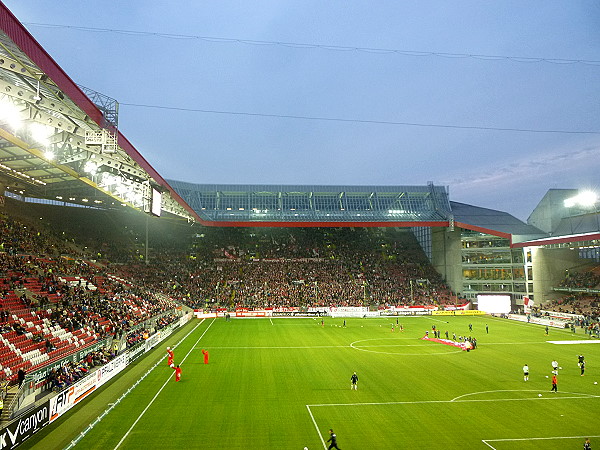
60	141
493	222
584	230
285	206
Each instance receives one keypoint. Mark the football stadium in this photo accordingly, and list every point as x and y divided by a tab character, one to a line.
141	312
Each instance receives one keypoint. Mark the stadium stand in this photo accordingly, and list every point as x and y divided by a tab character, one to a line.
296	267
53	303
580	296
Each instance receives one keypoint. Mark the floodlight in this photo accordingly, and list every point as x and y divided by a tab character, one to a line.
10	114
90	168
588	198
121	189
585	199
40	133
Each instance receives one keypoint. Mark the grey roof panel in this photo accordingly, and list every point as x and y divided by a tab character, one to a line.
493	220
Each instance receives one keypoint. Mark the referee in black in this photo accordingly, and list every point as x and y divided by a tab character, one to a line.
333	439
354	380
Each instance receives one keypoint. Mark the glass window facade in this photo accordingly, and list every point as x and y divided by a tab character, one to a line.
266	203
490	266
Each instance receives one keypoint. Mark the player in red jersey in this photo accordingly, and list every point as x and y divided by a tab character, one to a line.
205	353
170	356
177	373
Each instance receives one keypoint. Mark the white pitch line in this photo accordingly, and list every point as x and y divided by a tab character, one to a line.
539	438
510	343
316	426
270	321
581	397
456	399
282	348
358	347
489	445
438	320
160	390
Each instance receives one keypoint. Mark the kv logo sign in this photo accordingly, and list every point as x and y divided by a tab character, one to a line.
18	431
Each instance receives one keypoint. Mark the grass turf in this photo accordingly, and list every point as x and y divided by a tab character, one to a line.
282	383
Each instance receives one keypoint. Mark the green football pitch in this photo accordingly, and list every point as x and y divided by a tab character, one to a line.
284	382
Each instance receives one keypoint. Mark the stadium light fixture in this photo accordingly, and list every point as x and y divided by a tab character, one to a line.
584	199
91	168
40	133
10	114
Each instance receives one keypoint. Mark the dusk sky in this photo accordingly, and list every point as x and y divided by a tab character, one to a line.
346	92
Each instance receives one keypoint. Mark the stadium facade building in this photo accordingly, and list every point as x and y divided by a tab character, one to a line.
60	144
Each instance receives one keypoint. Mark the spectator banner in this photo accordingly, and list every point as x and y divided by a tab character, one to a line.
66	399
459	312
243	312
298	314
464	306
561	315
184	319
579	290
60	404
21	430
208	315
354	313
112	368
136	351
153	340
539	320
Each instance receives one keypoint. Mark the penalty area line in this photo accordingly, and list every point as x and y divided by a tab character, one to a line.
316	426
423	402
486	441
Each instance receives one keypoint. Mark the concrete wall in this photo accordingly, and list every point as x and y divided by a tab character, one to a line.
549	265
446	256
550	210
